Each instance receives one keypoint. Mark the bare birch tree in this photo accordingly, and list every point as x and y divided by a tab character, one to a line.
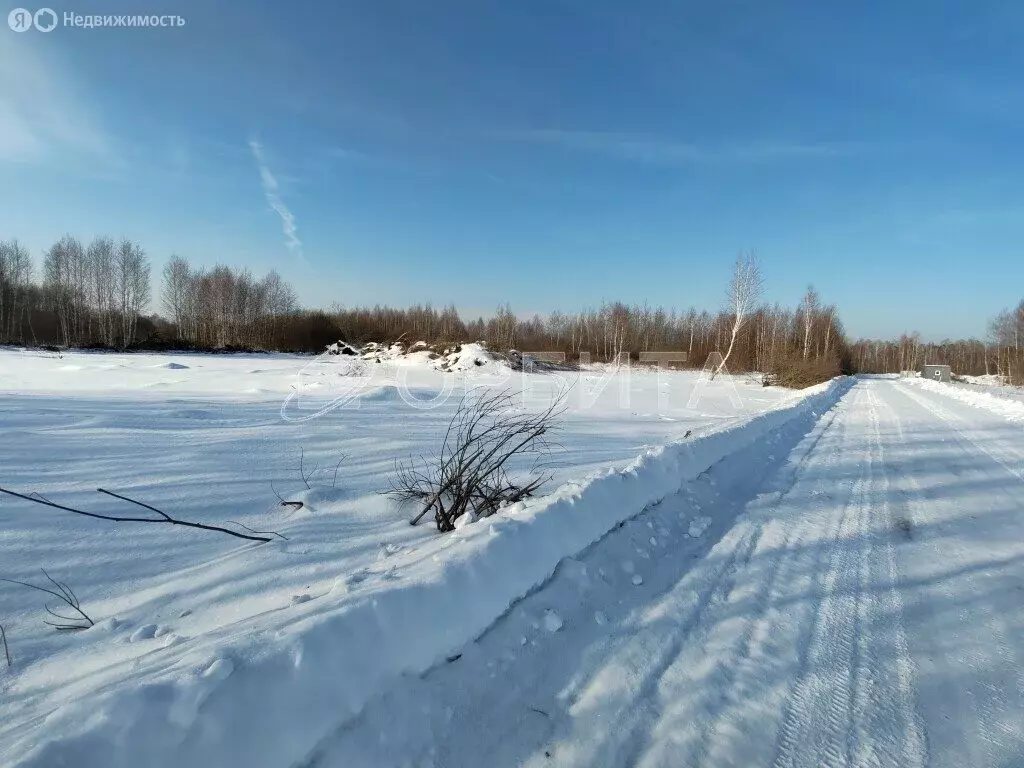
745	289
132	271
15	288
104	289
61	271
808	309
176	276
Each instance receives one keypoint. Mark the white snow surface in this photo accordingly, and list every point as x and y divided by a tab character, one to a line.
856	601
458	358
992	385
1009	404
832	577
208	650
984	380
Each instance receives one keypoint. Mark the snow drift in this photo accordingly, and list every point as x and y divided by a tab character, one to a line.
1010	409
454	359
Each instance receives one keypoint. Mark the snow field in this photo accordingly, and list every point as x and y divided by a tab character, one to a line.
207	652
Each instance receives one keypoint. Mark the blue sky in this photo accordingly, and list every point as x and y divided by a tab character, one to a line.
549	153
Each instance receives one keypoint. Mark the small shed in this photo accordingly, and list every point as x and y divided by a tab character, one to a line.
936	372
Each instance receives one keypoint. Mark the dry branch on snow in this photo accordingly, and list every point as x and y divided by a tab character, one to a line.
66	595
164	517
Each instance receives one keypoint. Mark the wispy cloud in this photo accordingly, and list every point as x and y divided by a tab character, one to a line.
662	151
273	195
42	117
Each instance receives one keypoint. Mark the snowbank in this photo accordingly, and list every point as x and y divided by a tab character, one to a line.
467	357
1010	409
269	707
985	380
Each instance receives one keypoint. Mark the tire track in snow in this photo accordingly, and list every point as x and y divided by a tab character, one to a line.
654	651
980	714
909	735
736	639
882	696
853	702
946	417
890	728
640	706
820	722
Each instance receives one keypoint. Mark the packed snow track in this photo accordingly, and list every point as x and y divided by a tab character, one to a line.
848	591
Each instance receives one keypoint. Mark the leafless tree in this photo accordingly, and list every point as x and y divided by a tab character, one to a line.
61	271
96	294
7	650
501	330
470	473
744	291
104	289
224	307
132	279
15	288
176	276
1006	331
808	310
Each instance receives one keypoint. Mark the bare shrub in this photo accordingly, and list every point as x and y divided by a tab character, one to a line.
470	473
306	476
794	372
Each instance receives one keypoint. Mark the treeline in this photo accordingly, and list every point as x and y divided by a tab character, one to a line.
773	338
1002	354
228	308
224	307
1007	332
909	353
86	295
19	295
99	294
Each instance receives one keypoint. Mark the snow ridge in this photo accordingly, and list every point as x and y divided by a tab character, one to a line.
1010	409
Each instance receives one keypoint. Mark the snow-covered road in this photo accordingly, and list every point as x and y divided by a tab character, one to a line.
847	591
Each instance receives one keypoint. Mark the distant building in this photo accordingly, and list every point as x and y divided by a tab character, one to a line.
936	372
